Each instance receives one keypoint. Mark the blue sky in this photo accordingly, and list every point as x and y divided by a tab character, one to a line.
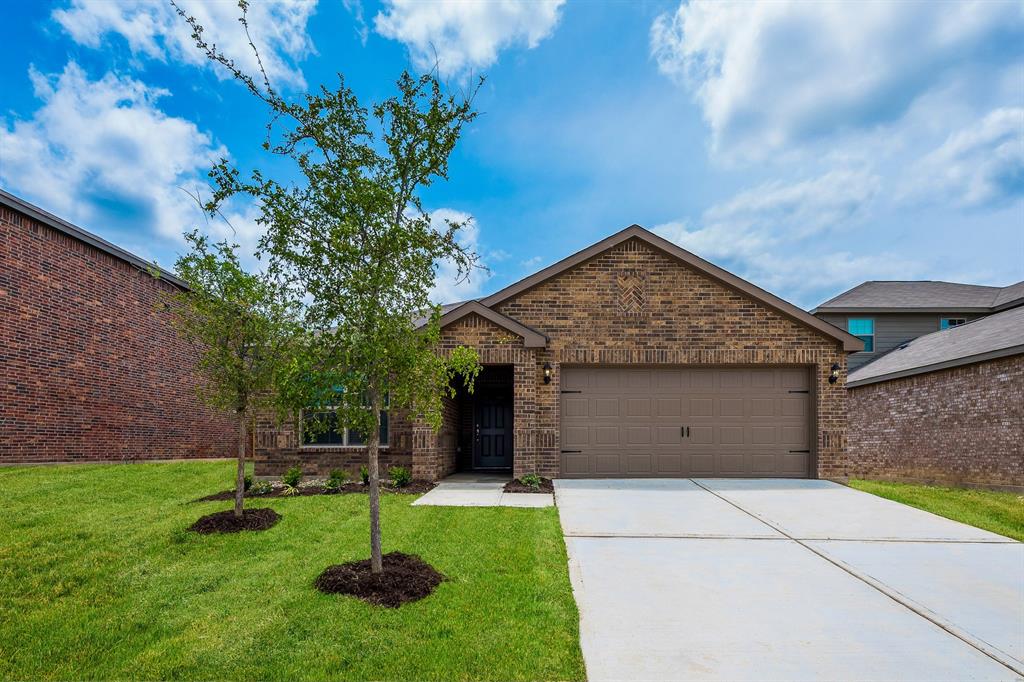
805	146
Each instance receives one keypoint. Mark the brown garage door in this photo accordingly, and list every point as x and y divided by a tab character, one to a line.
685	422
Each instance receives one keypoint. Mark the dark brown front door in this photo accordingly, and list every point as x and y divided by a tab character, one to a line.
492	433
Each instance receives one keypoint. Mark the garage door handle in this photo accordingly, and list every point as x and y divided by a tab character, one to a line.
684	431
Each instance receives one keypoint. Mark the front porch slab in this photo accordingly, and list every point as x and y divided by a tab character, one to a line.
480	490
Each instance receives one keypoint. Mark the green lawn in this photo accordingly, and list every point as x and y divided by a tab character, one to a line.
1001	513
100	579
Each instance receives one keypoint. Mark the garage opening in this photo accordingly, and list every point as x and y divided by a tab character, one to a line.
686	422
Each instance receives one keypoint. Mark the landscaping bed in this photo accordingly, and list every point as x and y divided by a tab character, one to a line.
317	487
544	486
405	578
227	522
100	579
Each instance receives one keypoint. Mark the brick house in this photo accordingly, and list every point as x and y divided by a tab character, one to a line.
91	369
947	407
633	357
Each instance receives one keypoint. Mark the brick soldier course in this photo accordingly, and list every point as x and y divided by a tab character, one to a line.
633	299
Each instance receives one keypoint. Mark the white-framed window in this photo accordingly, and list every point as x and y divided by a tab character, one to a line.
335	436
864	329
947	322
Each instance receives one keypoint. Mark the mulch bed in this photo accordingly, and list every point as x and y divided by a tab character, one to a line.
405	578
517	486
227	522
415	487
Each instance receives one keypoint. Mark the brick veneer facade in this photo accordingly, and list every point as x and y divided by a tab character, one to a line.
632	304
91	369
959	426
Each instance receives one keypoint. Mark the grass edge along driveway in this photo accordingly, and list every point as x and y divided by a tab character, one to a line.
999	512
100	579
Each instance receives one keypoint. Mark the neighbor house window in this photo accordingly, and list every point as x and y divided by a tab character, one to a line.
333	435
947	322
864	329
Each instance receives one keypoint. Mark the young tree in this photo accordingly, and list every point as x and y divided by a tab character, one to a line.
353	233
245	330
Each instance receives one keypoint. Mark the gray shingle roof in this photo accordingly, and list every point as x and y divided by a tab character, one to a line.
924	296
986	338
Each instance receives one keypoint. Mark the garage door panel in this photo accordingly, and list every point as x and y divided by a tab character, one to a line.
736	421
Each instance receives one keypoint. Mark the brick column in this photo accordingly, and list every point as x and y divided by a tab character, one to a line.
525	414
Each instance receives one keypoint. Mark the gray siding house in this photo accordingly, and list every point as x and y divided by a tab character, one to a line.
886	315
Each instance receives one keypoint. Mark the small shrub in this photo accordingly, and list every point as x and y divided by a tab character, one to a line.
247	483
336	480
292	477
364	473
261	488
532	480
400	476
289	490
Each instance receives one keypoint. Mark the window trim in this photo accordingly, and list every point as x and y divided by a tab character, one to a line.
872	334
335	446
962	320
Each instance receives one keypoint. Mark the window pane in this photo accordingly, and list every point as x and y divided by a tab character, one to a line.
355	438
948	322
858	326
869	343
328	436
383	428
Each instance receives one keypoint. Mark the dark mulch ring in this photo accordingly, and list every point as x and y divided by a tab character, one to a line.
227	522
415	487
405	578
517	486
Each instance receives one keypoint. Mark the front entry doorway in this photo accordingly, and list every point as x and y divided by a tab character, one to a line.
486	421
492	432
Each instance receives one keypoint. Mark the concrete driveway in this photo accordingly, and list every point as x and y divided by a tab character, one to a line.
785	580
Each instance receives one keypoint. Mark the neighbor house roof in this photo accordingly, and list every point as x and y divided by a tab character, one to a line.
987	338
21	206
924	297
850	343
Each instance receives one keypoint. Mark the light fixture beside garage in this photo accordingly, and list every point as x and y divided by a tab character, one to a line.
834	376
547	372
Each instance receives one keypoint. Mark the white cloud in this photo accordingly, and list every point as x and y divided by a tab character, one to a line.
769	76
982	165
780	236
152	28
106	141
464	35
448	286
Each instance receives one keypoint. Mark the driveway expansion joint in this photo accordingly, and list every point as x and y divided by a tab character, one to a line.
984	647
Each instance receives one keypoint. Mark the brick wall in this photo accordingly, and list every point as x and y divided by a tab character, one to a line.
629	305
633	304
91	370
960	426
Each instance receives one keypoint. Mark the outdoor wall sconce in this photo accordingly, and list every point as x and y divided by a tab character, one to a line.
834	376
547	372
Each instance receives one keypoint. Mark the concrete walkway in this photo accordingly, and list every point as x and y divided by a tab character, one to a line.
480	490
795	580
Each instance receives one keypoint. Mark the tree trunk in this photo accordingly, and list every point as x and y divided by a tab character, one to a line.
240	478
373	450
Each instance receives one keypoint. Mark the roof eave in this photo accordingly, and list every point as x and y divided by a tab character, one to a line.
531	337
61	225
937	366
851	310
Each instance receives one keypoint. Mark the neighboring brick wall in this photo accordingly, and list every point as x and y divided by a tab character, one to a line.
960	426
634	304
91	370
